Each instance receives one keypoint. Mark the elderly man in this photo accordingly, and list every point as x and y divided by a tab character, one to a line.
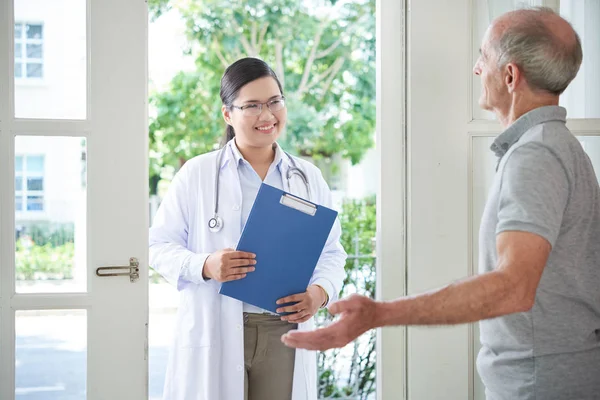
538	294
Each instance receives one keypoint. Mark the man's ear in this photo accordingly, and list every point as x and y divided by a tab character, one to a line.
226	114
512	77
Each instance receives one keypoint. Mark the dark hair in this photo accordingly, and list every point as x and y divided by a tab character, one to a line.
238	74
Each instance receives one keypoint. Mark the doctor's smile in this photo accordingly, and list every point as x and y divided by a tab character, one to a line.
266	128
227	344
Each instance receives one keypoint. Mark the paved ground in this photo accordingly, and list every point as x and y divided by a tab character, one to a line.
51	366
51	351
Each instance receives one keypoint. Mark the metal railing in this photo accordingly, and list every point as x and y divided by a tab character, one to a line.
349	373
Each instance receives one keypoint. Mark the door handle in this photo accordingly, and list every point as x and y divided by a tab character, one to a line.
133	270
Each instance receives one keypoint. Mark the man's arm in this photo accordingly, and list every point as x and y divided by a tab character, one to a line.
510	288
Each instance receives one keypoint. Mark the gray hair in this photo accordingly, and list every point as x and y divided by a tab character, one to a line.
547	63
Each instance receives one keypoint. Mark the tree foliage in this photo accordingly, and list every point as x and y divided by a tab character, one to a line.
322	50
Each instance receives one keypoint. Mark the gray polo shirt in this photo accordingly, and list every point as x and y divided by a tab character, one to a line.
545	184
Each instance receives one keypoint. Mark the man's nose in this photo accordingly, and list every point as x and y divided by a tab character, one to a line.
476	68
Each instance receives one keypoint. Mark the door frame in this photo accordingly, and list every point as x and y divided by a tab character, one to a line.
391	347
116	130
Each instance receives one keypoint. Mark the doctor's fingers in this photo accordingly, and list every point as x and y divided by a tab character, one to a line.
239	270
237	273
244	255
239	263
297	318
293	298
233	278
294	308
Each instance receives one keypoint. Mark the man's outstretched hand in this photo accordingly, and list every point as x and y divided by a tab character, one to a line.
357	314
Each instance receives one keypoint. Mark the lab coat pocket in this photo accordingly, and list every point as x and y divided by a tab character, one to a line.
198	316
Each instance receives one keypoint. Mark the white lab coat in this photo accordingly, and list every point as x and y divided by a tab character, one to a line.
207	357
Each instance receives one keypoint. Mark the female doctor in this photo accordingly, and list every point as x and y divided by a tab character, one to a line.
225	349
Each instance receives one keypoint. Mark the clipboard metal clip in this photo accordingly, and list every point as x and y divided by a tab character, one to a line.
298	204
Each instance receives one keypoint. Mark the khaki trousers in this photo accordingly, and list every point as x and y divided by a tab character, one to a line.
269	363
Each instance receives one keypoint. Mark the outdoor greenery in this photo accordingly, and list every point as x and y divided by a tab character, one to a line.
322	50
45	262
358	222
42	233
44	250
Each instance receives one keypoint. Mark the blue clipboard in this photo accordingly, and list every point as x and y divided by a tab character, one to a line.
287	234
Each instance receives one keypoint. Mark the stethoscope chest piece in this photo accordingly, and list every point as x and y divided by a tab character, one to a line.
215	224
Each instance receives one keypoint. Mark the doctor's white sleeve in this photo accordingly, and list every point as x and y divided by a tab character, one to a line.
169	253
329	272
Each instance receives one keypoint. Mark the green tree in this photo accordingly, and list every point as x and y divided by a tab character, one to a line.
323	51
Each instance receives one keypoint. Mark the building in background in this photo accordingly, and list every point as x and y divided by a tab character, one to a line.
50	83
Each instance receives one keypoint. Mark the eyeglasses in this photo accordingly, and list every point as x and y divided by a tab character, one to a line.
255	109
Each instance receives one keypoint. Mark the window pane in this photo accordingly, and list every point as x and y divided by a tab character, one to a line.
18	183
18	163
34	51
582	97
18	70
35	184
55	44
34	31
35	203
19	203
50	354
18	49
35	165
34	70
50	229
18	31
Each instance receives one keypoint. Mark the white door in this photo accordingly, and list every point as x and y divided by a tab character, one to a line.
74	197
450	166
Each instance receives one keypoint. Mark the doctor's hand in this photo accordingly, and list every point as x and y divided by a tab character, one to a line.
307	304
228	265
357	314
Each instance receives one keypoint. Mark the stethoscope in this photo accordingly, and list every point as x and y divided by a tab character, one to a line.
215	224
